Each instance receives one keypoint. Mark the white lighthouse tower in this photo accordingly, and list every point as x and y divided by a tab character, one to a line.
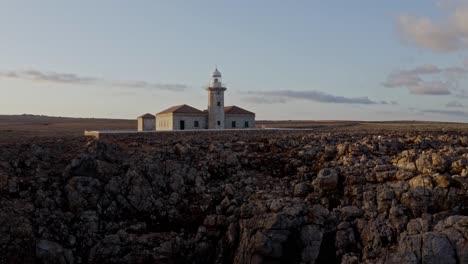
216	101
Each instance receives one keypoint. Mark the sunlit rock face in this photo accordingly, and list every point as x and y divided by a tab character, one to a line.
258	197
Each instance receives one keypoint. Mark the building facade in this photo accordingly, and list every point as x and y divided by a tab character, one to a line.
238	118
181	117
146	122
217	116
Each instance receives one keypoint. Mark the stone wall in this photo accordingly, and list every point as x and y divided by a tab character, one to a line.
177	134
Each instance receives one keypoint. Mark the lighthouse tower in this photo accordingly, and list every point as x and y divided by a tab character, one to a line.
216	101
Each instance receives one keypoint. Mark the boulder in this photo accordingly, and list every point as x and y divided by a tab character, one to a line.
301	189
436	248
421	181
403	175
424	163
52	252
442	181
311	238
327	180
83	193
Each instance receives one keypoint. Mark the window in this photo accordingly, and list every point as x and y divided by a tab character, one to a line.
246	124
195	123
233	124
216	80
219	103
219	123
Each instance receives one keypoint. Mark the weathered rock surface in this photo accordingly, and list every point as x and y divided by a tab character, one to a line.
295	198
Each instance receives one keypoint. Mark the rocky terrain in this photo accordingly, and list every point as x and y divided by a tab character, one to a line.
324	197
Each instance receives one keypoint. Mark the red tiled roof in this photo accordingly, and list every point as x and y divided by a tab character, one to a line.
147	115
181	109
235	110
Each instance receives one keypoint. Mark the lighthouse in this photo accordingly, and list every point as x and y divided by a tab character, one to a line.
216	101
216	117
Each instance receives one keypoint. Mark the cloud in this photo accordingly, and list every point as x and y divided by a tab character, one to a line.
446	112
466	63
71	78
388	102
454	104
55	77
445	36
265	100
317	96
441	82
150	86
423	69
430	88
400	79
462	94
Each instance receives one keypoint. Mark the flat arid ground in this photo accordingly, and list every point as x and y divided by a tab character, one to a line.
15	127
340	192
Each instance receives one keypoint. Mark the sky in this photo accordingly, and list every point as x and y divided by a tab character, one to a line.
283	60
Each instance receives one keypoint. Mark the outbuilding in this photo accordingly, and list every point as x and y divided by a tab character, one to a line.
146	122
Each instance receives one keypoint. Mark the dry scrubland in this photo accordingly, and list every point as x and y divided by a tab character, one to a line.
33	127
23	127
349	192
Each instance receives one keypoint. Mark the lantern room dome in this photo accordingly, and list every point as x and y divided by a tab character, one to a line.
216	73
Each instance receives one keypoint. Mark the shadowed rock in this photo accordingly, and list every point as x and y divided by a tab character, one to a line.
238	198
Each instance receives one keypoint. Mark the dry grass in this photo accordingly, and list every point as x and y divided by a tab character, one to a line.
366	125
19	127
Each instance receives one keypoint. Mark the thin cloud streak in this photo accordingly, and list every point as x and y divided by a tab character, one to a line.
430	88
454	104
282	96
71	78
446	112
265	100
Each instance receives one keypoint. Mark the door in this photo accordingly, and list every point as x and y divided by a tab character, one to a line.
182	124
